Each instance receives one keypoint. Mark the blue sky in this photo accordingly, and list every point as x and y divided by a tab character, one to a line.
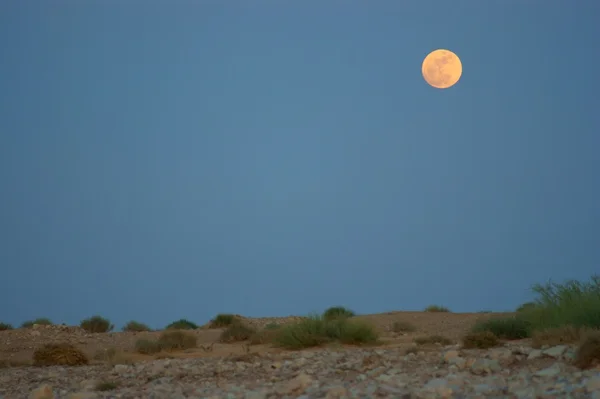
177	159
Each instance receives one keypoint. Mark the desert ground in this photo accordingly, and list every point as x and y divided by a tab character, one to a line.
215	369
17	346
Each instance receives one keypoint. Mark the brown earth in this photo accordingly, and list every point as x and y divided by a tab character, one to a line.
17	346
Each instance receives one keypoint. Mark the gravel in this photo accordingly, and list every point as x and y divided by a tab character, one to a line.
510	371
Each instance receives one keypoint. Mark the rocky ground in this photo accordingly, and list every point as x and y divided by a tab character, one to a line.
397	369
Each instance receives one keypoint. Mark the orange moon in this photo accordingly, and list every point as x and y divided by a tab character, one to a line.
441	69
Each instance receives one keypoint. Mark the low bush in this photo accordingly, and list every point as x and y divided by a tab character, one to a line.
182	324
437	308
147	346
237	332
511	327
176	340
5	326
96	324
134	326
480	340
317	330
223	320
337	312
42	321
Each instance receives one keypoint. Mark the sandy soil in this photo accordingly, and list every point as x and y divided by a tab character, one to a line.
17	346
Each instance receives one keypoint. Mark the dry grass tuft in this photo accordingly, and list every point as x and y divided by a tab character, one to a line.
147	346
61	354
106	386
557	336
403	327
480	340
177	340
588	353
432	340
237	332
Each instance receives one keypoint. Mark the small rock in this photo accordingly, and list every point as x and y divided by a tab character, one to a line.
297	385
485	366
593	383
336	392
534	354
43	392
551	371
556	351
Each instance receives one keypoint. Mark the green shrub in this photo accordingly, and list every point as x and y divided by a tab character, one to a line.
572	303
525	307
480	340
237	332
96	324
42	321
436	308
272	326
223	320
511	327
134	326
147	346
176	340
317	330
5	326
182	324
336	312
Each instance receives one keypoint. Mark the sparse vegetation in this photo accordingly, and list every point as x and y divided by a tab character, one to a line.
588	353
432	340
403	327
511	327
106	386
182	324
437	308
5	326
480	340
134	326
42	321
223	320
96	324
176	340
337	312
147	346
317	330
237	332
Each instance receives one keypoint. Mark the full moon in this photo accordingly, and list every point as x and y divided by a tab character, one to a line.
441	69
